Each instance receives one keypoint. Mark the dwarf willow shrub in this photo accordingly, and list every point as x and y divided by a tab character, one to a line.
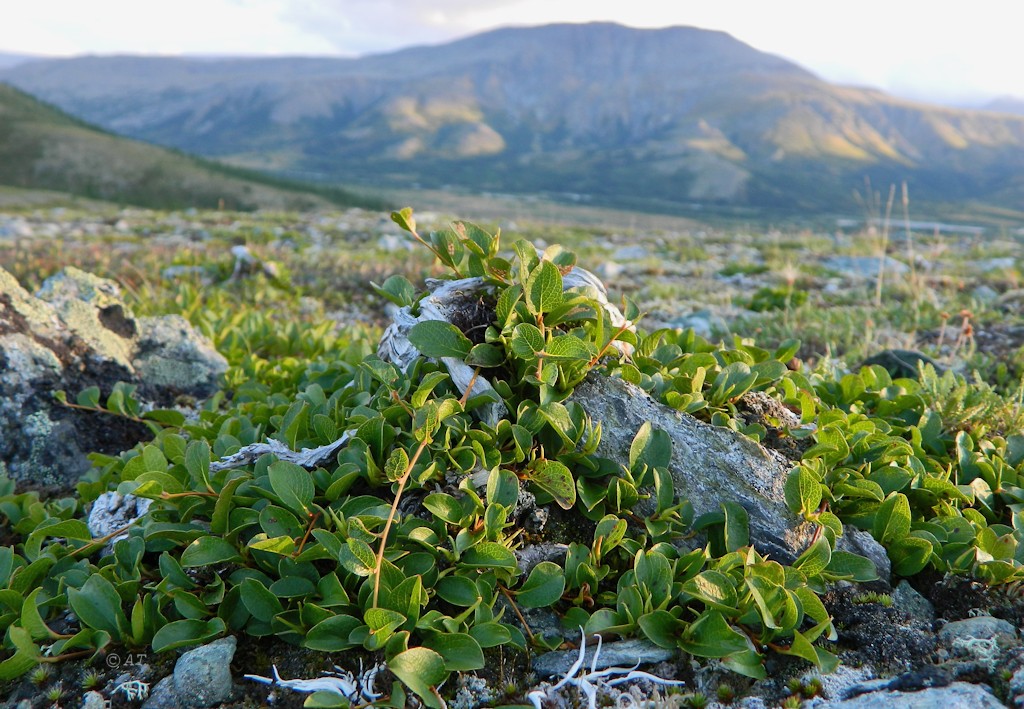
336	558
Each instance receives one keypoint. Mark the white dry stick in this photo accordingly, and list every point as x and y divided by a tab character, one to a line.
450	298
446	299
307	457
594	680
341	682
133	690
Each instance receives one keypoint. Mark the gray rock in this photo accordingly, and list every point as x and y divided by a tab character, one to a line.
532	554
631	253
709	465
112	511
913	603
170	355
704	323
202	677
980	638
609	270
78	333
473	692
985	294
995	264
835	684
93	700
857	541
163	696
624	653
1017	687
865	266
958	695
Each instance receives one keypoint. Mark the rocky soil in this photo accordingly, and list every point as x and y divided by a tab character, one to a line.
930	642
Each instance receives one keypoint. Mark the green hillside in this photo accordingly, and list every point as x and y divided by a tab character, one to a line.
43	148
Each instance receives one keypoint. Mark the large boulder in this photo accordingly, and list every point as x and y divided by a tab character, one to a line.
77	332
711	465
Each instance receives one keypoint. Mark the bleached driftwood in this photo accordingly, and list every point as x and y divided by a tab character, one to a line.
307	457
446	300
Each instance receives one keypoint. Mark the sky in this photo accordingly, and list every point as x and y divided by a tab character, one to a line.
947	51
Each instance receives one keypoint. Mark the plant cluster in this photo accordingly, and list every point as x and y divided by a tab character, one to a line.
403	544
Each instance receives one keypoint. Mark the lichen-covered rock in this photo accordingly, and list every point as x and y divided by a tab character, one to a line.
958	695
710	464
77	332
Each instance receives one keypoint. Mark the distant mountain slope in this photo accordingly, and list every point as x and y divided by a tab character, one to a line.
9	59
1006	104
622	115
43	148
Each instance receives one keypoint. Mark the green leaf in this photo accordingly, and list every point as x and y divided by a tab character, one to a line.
556	480
909	555
31	620
404	219
800	647
293	484
445	507
437	338
458	590
206	551
803	491
68	529
182	633
544	586
503	486
259	601
527	341
460	652
568	348
651	447
490	634
543	288
853	567
98	606
506	304
715	589
484	355
168	417
661	628
711	636
892	519
421	669
89	397
331	634
324	699
383	622
815	558
398	290
487	555
396	465
25	657
736	531
747	663
197	461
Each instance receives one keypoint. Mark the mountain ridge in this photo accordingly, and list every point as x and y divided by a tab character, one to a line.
610	112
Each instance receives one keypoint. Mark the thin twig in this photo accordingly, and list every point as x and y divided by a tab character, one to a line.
391	517
100	541
515	609
469	387
305	538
